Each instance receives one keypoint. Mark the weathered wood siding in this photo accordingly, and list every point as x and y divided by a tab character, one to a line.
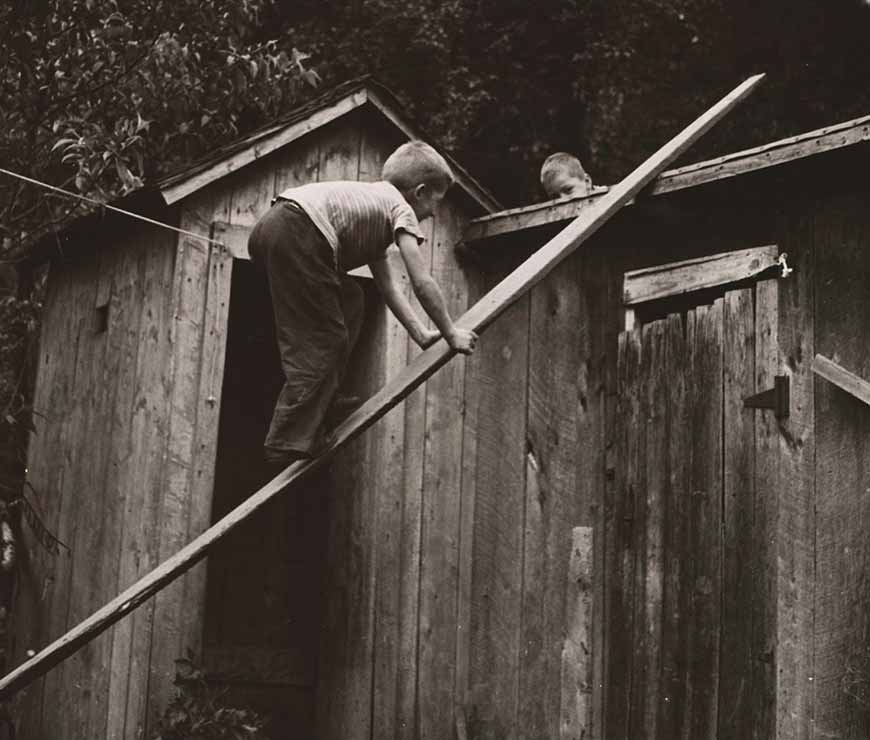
434	570
95	463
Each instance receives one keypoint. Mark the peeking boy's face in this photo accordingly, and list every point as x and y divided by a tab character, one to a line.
424	199
562	185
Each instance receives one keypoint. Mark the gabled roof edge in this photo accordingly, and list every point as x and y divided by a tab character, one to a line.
176	188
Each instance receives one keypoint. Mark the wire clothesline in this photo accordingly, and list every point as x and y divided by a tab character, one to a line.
106	206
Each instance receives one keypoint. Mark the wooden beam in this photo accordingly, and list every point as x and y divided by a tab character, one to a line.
418	371
527	217
842	378
677	278
733	164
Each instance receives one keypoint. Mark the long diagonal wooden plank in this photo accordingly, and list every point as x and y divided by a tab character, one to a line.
842	378
477	318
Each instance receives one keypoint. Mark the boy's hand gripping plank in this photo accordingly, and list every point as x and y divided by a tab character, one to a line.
477	318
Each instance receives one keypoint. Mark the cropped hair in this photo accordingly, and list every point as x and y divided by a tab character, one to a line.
415	163
562	162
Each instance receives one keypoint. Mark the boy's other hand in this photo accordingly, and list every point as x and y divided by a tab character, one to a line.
462	341
429	337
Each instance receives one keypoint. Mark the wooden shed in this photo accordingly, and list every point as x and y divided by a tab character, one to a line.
157	375
634	512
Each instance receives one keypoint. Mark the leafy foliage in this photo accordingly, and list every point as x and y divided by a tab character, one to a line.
503	83
97	94
199	712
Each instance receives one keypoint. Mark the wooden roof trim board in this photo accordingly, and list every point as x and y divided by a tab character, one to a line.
280	135
772	154
468	183
264	145
677	278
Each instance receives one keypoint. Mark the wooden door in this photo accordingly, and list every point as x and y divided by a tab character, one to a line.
690	602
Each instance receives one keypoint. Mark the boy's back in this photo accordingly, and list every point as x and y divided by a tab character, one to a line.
358	219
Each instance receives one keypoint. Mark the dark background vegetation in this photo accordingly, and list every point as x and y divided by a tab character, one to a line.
100	96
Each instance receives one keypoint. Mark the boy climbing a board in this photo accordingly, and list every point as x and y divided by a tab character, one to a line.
307	242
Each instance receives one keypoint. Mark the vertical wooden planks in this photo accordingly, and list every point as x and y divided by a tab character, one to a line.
559	339
464	604
411	543
387	477
65	699
677	558
344	678
842	425
705	340
145	479
442	482
172	505
576	705
621	528
37	568
652	479
501	373
214	340
795	523
739	557
125	314
765	505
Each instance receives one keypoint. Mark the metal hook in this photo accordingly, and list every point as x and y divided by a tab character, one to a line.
781	261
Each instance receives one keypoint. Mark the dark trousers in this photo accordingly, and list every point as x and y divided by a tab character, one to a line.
318	315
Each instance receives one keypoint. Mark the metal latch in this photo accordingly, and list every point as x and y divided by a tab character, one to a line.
777	398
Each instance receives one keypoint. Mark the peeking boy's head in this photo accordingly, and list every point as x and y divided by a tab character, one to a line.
420	174
563	176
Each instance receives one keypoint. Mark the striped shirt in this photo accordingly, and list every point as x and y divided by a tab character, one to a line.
359	219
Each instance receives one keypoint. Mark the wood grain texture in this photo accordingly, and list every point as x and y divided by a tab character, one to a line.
705	340
677	558
37	566
412	513
765	505
796	500
140	548
559	348
677	278
649	519
501	373
171	495
464	606
576	704
842	427
739	556
621	533
442	484
65	699
343	675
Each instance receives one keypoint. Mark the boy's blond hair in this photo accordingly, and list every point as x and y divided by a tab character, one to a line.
415	163
562	162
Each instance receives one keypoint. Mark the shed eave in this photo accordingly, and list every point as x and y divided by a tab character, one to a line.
279	136
810	143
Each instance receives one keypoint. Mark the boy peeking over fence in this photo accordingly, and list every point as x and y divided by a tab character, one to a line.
312	235
562	176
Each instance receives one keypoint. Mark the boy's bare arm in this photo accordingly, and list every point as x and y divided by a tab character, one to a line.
394	296
429	294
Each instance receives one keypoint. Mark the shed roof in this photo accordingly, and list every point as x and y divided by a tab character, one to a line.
336	102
